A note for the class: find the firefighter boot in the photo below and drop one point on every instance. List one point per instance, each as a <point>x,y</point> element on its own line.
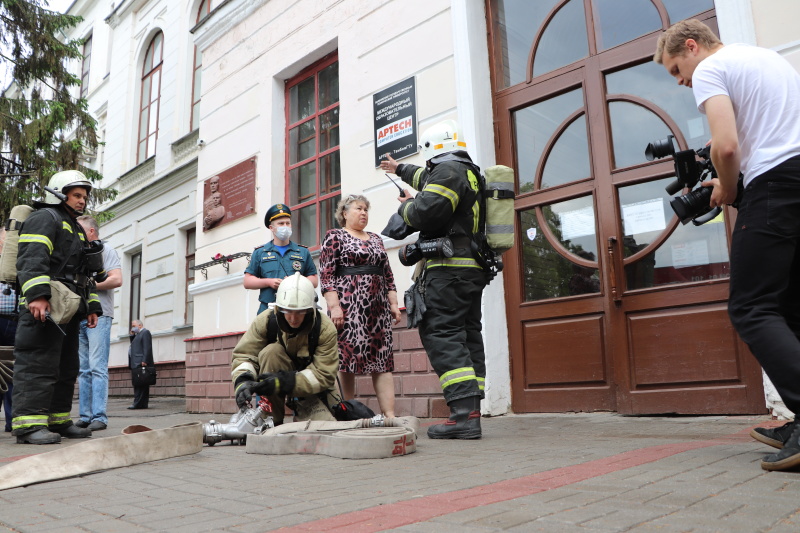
<point>71,431</point>
<point>464,421</point>
<point>40,436</point>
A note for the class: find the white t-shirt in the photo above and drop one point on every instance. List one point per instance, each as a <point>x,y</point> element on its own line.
<point>110,262</point>
<point>765,92</point>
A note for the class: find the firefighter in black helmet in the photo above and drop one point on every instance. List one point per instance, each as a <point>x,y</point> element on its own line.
<point>51,248</point>
<point>448,206</point>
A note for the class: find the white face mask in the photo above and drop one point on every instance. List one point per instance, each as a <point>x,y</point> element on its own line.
<point>283,233</point>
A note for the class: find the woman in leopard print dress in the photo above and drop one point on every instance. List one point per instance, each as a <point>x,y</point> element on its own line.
<point>358,286</point>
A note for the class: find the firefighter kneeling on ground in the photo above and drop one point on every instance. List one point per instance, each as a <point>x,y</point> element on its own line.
<point>289,351</point>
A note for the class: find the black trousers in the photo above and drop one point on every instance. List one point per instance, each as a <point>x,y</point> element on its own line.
<point>451,330</point>
<point>764,303</point>
<point>141,397</point>
<point>45,369</point>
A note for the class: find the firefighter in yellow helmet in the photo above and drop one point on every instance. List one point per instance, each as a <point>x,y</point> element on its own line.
<point>289,351</point>
<point>446,211</point>
<point>52,247</point>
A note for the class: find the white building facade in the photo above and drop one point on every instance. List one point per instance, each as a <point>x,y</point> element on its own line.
<point>184,91</point>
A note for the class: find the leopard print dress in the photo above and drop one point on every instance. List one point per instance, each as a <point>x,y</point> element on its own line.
<point>365,341</point>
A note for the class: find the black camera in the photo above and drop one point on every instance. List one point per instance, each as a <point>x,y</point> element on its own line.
<point>93,259</point>
<point>410,254</point>
<point>694,205</point>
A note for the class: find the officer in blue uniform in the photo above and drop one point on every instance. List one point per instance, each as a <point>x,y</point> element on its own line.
<point>278,259</point>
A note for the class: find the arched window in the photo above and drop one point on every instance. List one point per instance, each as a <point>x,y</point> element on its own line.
<point>151,95</point>
<point>194,119</point>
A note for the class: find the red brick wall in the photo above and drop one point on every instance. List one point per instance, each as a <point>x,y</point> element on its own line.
<point>417,391</point>
<point>170,381</point>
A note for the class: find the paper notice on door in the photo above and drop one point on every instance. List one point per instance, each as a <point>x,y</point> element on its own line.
<point>689,254</point>
<point>577,223</point>
<point>642,217</point>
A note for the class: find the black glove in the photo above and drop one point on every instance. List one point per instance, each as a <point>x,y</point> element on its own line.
<point>244,391</point>
<point>275,383</point>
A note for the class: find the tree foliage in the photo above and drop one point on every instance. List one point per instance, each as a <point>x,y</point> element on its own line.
<point>43,127</point>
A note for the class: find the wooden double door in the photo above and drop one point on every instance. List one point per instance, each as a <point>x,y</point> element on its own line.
<point>612,303</point>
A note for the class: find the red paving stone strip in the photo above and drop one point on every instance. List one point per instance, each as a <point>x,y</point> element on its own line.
<point>407,512</point>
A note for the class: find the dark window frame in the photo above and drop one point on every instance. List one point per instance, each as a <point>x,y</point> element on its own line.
<point>155,67</point>
<point>85,66</point>
<point>136,287</point>
<point>328,191</point>
<point>191,250</point>
<point>202,11</point>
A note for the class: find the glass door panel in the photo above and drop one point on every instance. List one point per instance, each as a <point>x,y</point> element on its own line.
<point>553,50</point>
<point>632,127</point>
<point>565,262</point>
<point>536,125</point>
<point>683,9</point>
<point>649,82</point>
<point>515,25</point>
<point>690,253</point>
<point>620,21</point>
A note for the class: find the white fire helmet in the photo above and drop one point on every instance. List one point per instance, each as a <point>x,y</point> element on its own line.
<point>441,138</point>
<point>66,179</point>
<point>295,293</point>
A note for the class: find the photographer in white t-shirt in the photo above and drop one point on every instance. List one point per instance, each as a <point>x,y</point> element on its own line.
<point>751,97</point>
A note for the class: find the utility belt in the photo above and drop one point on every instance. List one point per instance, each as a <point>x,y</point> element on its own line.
<point>358,270</point>
<point>440,248</point>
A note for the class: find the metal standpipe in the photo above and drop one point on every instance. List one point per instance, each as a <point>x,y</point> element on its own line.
<point>248,421</point>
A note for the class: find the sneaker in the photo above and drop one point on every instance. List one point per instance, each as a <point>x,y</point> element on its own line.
<point>82,423</point>
<point>789,456</point>
<point>774,437</point>
<point>96,425</point>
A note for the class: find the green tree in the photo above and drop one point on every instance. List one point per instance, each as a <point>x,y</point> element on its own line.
<point>43,128</point>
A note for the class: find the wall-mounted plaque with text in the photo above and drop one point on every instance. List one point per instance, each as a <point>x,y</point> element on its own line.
<point>229,195</point>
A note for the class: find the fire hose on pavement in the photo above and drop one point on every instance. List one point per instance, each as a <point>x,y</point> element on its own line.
<point>6,367</point>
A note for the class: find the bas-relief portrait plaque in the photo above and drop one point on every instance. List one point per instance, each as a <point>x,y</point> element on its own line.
<point>229,195</point>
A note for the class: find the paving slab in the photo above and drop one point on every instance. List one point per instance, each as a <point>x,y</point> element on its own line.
<point>586,472</point>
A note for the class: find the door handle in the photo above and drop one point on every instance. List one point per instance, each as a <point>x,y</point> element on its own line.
<point>615,293</point>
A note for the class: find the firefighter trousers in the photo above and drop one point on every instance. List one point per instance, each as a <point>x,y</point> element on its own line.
<point>450,330</point>
<point>274,358</point>
<point>46,367</point>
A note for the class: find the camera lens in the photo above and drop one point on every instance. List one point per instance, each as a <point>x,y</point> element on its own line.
<point>692,204</point>
<point>659,149</point>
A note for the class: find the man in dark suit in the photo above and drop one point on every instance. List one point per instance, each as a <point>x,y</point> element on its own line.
<point>140,353</point>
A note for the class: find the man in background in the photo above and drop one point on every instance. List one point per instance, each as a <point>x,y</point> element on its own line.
<point>95,344</point>
<point>140,353</point>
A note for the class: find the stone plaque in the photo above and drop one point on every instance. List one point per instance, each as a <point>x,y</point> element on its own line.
<point>229,195</point>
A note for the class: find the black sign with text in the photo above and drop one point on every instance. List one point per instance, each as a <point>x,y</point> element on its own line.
<point>395,115</point>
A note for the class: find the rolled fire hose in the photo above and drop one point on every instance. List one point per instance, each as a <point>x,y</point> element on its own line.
<point>369,438</point>
<point>6,367</point>
<point>137,444</point>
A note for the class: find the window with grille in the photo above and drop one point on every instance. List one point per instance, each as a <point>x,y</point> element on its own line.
<point>313,174</point>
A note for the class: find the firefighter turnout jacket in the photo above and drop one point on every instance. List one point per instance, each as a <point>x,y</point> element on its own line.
<point>448,204</point>
<point>51,245</point>
<point>315,374</point>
